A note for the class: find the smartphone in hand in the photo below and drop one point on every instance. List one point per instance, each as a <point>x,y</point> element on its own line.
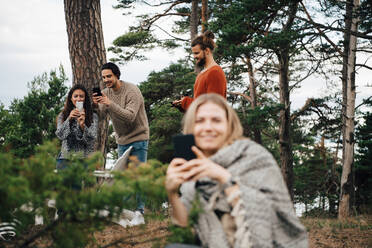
<point>97,90</point>
<point>80,106</point>
<point>182,144</point>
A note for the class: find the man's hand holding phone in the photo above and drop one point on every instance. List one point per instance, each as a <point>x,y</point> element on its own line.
<point>100,97</point>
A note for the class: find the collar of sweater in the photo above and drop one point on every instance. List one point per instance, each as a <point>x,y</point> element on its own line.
<point>120,90</point>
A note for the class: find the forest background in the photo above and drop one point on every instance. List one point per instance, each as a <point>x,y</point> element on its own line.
<point>290,79</point>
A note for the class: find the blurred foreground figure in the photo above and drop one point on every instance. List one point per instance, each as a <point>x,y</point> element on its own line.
<point>239,186</point>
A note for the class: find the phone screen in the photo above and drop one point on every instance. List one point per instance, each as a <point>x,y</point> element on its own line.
<point>182,145</point>
<point>97,90</point>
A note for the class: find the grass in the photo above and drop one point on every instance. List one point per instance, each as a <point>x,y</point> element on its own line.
<point>325,232</point>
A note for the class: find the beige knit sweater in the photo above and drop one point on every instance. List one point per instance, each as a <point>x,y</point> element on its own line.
<point>127,113</point>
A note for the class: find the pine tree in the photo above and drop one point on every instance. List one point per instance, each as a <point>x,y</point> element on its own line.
<point>363,161</point>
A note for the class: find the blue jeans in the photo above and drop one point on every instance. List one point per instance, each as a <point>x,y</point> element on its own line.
<point>139,149</point>
<point>62,164</point>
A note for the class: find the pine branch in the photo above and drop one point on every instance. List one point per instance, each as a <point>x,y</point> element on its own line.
<point>248,98</point>
<point>318,25</point>
<point>161,4</point>
<point>43,231</point>
<point>364,65</point>
<point>365,101</point>
<point>174,37</point>
<point>153,19</point>
<point>309,102</point>
<point>320,31</point>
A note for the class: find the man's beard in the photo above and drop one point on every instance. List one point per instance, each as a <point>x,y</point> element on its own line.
<point>111,83</point>
<point>201,62</point>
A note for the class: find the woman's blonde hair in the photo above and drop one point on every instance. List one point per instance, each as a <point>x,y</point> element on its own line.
<point>234,127</point>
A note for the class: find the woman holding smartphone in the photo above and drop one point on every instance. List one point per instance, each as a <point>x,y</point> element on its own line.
<point>76,125</point>
<point>237,182</point>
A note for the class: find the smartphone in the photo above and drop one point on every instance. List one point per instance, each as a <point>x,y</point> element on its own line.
<point>97,90</point>
<point>80,106</point>
<point>182,144</point>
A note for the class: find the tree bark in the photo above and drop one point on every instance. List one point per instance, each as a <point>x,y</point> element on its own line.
<point>253,95</point>
<point>204,14</point>
<point>348,109</point>
<point>194,21</point>
<point>87,50</point>
<point>285,143</point>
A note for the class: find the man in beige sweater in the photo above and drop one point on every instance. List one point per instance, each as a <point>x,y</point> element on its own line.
<point>124,103</point>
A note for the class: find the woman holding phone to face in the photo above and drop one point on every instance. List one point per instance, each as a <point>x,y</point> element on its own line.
<point>240,188</point>
<point>76,125</point>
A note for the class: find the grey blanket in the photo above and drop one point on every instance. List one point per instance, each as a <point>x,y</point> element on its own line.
<point>264,215</point>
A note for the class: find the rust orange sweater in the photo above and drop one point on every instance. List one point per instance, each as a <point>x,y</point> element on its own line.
<point>212,80</point>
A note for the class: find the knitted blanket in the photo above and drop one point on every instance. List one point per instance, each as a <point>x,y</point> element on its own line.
<point>264,214</point>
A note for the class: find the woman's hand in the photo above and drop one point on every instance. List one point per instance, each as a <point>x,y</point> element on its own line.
<point>81,119</point>
<point>173,181</point>
<point>204,167</point>
<point>74,114</point>
<point>174,177</point>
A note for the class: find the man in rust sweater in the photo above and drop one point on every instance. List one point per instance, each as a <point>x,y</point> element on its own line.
<point>211,79</point>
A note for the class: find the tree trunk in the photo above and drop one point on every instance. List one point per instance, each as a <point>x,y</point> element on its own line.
<point>253,95</point>
<point>285,144</point>
<point>348,110</point>
<point>87,50</point>
<point>194,20</point>
<point>204,14</point>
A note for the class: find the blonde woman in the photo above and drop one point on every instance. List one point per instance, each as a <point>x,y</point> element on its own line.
<point>239,185</point>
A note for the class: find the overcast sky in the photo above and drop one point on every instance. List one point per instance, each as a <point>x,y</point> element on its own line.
<point>33,40</point>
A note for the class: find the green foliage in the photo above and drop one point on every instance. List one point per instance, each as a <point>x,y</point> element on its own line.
<point>6,122</point>
<point>365,12</point>
<point>363,157</point>
<point>160,89</point>
<point>132,38</point>
<point>162,128</point>
<point>258,31</point>
<point>148,179</point>
<point>142,37</point>
<point>186,235</point>
<point>311,177</point>
<point>26,185</point>
<point>32,120</point>
<point>128,46</point>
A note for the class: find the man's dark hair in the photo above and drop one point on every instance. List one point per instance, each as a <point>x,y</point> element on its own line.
<point>114,68</point>
<point>205,40</point>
